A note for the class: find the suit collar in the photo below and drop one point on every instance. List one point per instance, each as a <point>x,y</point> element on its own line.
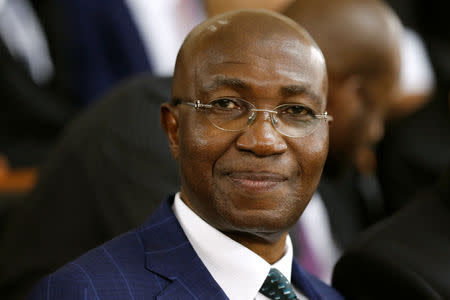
<point>169,254</point>
<point>312,287</point>
<point>299,279</point>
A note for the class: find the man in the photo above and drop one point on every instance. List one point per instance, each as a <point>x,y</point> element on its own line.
<point>248,128</point>
<point>359,40</point>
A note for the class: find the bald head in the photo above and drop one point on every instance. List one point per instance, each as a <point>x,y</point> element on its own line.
<point>354,35</point>
<point>360,42</point>
<point>233,35</point>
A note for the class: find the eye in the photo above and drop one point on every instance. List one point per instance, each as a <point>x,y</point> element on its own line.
<point>297,110</point>
<point>226,103</point>
<point>295,113</point>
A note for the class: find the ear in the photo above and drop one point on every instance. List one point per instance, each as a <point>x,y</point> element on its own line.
<point>169,122</point>
<point>347,90</point>
<point>353,86</point>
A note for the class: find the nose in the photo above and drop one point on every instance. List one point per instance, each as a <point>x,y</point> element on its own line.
<point>261,138</point>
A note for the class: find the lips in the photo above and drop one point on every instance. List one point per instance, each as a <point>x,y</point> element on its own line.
<point>256,181</point>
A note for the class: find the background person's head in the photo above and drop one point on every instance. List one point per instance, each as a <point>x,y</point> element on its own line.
<point>360,42</point>
<point>254,183</point>
<point>216,7</point>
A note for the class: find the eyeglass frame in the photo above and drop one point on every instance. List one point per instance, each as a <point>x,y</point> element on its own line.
<point>197,105</point>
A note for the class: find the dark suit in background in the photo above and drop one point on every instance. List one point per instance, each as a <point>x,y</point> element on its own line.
<point>353,203</point>
<point>32,115</point>
<point>108,173</point>
<point>104,46</point>
<point>30,118</point>
<point>403,257</point>
<point>416,149</point>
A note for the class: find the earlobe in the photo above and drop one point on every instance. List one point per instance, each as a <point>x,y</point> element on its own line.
<point>169,122</point>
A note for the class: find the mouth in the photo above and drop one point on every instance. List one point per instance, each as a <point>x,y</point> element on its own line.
<point>256,181</point>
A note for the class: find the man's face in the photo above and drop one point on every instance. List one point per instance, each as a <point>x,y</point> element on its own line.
<point>359,110</point>
<point>359,105</point>
<point>256,182</point>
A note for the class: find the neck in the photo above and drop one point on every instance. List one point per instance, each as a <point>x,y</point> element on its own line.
<point>270,251</point>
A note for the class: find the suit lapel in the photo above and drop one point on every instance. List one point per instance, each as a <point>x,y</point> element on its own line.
<point>300,280</point>
<point>169,254</point>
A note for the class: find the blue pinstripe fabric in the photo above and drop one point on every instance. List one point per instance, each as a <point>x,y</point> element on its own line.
<point>153,261</point>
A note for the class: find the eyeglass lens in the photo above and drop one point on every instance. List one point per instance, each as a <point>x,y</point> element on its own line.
<point>229,114</point>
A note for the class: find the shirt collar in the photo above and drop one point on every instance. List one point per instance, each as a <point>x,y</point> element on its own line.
<point>239,271</point>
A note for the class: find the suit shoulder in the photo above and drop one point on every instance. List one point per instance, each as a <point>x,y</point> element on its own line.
<point>114,268</point>
<point>326,291</point>
<point>69,282</point>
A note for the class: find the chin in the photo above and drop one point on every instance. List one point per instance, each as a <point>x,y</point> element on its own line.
<point>266,215</point>
<point>264,223</point>
<point>262,237</point>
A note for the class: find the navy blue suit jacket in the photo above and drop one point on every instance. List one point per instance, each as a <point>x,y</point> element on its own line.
<point>104,46</point>
<point>154,261</point>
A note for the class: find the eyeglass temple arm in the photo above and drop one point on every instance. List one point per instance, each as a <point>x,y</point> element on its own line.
<point>326,117</point>
<point>197,105</point>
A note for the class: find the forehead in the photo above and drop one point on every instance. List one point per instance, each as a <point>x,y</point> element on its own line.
<point>262,62</point>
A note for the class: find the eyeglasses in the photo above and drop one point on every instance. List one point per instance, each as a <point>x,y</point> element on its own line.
<point>233,114</point>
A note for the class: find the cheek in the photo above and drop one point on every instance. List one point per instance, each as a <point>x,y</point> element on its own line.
<point>318,144</point>
<point>311,153</point>
<point>196,137</point>
<point>194,142</point>
<point>200,148</point>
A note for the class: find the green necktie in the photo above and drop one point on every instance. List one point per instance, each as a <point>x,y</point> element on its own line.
<point>277,287</point>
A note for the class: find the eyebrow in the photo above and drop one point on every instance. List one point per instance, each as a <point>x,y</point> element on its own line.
<point>299,90</point>
<point>240,85</point>
<point>230,82</point>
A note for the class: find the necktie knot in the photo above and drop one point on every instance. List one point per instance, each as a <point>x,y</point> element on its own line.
<point>277,286</point>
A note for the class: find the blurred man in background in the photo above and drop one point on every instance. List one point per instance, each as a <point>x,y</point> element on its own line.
<point>360,42</point>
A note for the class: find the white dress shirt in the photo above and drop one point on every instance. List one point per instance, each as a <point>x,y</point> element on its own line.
<point>316,224</point>
<point>239,271</point>
<point>163,25</point>
<point>25,39</point>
